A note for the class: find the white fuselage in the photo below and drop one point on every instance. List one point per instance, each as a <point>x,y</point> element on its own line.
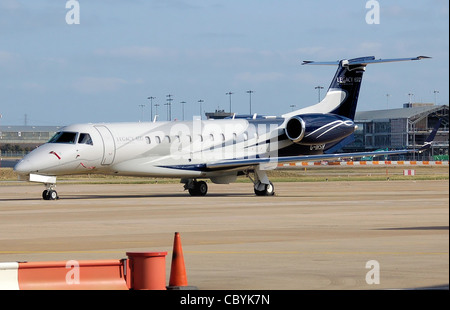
<point>155,149</point>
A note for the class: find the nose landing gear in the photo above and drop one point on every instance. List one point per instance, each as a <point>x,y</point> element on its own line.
<point>50,193</point>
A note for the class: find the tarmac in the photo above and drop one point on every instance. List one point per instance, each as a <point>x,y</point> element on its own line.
<point>350,235</point>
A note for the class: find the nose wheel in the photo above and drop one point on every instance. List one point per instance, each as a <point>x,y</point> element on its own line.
<point>50,193</point>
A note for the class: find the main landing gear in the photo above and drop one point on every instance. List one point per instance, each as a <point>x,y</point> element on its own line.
<point>261,184</point>
<point>262,189</point>
<point>196,188</point>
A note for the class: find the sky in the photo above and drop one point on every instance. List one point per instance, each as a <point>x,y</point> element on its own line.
<point>103,69</point>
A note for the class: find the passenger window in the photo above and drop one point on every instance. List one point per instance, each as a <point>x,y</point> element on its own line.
<point>85,138</point>
<point>157,139</point>
<point>147,140</point>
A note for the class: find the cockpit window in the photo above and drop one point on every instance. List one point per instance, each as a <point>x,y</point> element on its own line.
<point>85,138</point>
<point>64,137</point>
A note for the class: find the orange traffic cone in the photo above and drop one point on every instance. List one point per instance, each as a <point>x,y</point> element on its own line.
<point>178,278</point>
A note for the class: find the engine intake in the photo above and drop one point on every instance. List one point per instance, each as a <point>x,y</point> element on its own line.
<point>295,129</point>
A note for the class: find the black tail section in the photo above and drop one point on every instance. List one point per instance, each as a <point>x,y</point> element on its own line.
<point>348,79</point>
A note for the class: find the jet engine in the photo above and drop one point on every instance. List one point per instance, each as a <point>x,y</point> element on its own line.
<point>313,129</point>
<point>295,129</point>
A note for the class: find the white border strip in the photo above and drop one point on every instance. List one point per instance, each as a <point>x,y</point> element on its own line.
<point>9,276</point>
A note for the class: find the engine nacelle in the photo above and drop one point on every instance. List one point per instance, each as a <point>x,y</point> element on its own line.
<point>313,129</point>
<point>295,129</point>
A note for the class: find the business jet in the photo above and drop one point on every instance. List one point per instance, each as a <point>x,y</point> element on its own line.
<point>218,150</point>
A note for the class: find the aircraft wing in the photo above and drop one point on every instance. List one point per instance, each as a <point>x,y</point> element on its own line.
<point>236,163</point>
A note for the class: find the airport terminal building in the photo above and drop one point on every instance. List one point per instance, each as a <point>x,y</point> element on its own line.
<point>407,127</point>
<point>404,128</point>
<point>18,140</point>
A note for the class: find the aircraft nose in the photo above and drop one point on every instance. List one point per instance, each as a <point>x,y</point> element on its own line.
<point>44,159</point>
<point>32,162</point>
<point>23,167</point>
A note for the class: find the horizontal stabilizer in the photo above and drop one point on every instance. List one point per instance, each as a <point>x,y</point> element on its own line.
<point>361,61</point>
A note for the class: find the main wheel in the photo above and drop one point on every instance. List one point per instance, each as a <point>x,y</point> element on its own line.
<point>200,189</point>
<point>268,190</point>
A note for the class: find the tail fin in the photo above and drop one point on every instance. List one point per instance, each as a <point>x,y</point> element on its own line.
<point>347,81</point>
<point>430,138</point>
<point>343,93</point>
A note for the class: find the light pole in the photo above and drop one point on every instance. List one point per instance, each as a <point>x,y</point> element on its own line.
<point>201,101</point>
<point>151,107</point>
<point>435,96</point>
<point>182,107</point>
<point>319,88</point>
<point>229,94</point>
<point>410,96</point>
<point>142,111</point>
<point>387,100</point>
<point>250,92</point>
<point>169,107</point>
<point>156,111</point>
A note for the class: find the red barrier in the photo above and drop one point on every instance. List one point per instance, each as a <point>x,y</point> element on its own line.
<point>72,275</point>
<point>141,271</point>
<point>148,270</point>
<point>144,270</point>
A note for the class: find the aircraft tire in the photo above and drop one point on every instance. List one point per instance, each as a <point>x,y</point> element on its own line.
<point>200,189</point>
<point>269,190</point>
<point>50,195</point>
